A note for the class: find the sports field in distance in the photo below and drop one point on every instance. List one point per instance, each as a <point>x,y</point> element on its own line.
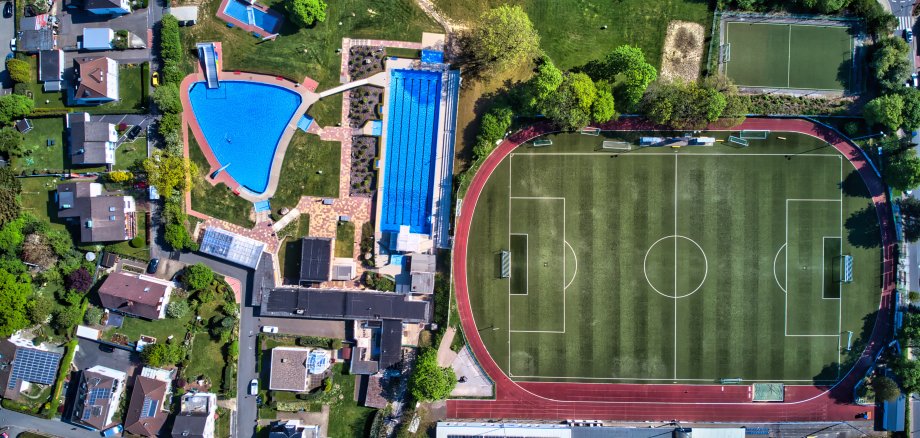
<point>674,265</point>
<point>780,55</point>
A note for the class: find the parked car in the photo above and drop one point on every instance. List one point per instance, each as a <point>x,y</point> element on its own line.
<point>134,132</point>
<point>908,35</point>
<point>153,265</point>
<point>8,10</point>
<point>269,329</point>
<point>155,79</point>
<point>13,44</point>
<point>253,386</point>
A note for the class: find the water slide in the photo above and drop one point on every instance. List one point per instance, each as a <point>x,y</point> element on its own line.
<point>209,57</point>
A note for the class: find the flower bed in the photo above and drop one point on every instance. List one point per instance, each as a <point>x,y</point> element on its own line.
<point>363,153</point>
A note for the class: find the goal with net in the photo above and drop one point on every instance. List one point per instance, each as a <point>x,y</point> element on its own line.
<point>613,145</point>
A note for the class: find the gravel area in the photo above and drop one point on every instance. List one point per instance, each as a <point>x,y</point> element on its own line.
<point>363,153</point>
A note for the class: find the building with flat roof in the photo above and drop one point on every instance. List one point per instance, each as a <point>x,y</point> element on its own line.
<point>232,247</point>
<point>342,305</point>
<point>315,260</point>
<point>102,217</point>
<point>97,38</point>
<point>107,7</point>
<point>51,69</point>
<point>136,295</point>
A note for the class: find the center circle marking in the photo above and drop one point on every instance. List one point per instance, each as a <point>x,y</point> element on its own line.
<point>675,294</point>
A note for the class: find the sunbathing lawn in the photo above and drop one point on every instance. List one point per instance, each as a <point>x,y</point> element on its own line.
<point>345,239</point>
<point>346,418</point>
<point>207,358</point>
<point>216,201</point>
<point>129,153</point>
<point>327,111</point>
<point>299,52</point>
<point>305,158</point>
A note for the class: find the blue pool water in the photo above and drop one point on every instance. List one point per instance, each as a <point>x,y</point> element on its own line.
<point>410,151</point>
<point>266,21</point>
<point>243,122</point>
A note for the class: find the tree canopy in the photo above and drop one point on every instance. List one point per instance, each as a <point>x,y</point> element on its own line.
<point>9,196</point>
<point>163,354</point>
<point>495,124</point>
<point>628,70</point>
<point>684,105</point>
<point>891,66</point>
<point>11,142</point>
<point>197,276</point>
<point>901,169</point>
<point>307,12</point>
<point>15,106</point>
<point>885,389</point>
<point>885,110</point>
<point>14,293</point>
<point>910,215</point>
<point>431,382</point>
<point>168,172</point>
<point>911,111</point>
<point>166,97</point>
<point>20,71</point>
<point>503,37</point>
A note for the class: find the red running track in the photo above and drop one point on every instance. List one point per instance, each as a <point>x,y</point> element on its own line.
<point>636,402</point>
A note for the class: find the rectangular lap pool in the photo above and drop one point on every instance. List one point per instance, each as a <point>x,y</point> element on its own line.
<point>268,21</point>
<point>410,150</point>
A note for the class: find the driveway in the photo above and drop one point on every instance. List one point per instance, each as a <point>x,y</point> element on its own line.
<point>306,327</point>
<point>89,354</point>
<point>74,19</point>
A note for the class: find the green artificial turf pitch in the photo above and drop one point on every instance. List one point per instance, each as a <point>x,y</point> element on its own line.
<point>656,265</point>
<point>778,55</point>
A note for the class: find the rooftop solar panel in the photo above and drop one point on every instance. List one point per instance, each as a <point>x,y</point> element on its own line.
<point>149,409</point>
<point>34,366</point>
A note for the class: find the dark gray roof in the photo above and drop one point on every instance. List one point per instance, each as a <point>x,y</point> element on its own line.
<point>88,141</point>
<point>390,343</point>
<point>422,282</point>
<point>343,305</point>
<point>315,259</point>
<point>189,425</point>
<point>49,65</point>
<point>95,214</point>
<point>32,41</point>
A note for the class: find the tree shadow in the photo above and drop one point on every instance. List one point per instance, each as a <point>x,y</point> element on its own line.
<point>829,373</point>
<point>291,269</point>
<point>854,186</point>
<point>863,229</point>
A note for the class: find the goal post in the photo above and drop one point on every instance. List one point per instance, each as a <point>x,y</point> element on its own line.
<point>754,134</point>
<point>613,145</point>
<point>542,143</point>
<point>591,131</point>
<point>725,53</point>
<point>738,141</point>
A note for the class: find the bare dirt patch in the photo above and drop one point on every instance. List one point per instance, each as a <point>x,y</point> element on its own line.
<point>683,51</point>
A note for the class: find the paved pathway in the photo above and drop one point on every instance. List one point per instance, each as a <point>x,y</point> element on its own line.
<point>554,400</point>
<point>446,356</point>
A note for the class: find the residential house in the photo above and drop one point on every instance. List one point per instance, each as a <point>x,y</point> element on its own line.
<point>34,41</point>
<point>97,80</point>
<point>98,38</point>
<point>103,217</point>
<point>196,416</point>
<point>148,408</point>
<point>136,295</point>
<point>21,367</point>
<point>292,429</point>
<point>98,396</point>
<point>107,7</point>
<point>51,69</point>
<point>91,143</point>
<point>288,369</point>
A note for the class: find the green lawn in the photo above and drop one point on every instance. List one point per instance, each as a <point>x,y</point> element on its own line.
<point>129,153</point>
<point>161,329</point>
<point>610,294</point>
<point>571,31</point>
<point>327,111</point>
<point>345,239</point>
<point>310,52</point>
<point>310,168</point>
<point>216,201</point>
<point>347,419</point>
<point>207,358</point>
<point>789,56</point>
<point>38,198</point>
<point>223,423</point>
<point>39,156</point>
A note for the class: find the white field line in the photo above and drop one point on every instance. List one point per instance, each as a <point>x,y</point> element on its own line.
<point>659,379</point>
<point>775,258</point>
<point>675,266</point>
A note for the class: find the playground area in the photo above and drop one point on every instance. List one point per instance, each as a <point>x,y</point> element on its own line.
<point>647,257</point>
<point>788,53</point>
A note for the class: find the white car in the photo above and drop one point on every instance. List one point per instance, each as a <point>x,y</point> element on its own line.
<point>269,329</point>
<point>13,44</point>
<point>253,386</point>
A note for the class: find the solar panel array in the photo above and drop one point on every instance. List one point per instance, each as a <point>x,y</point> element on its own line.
<point>149,410</point>
<point>226,245</point>
<point>34,366</point>
<point>96,394</point>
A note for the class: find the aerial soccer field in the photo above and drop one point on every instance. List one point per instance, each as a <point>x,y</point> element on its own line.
<point>595,260</point>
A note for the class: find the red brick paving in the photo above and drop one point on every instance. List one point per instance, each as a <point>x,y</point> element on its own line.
<point>666,402</point>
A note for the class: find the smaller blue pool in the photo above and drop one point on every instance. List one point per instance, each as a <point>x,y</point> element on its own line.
<point>267,21</point>
<point>243,122</point>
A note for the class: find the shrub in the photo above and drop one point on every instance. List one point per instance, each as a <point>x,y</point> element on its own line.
<point>79,280</point>
<point>177,309</point>
<point>120,176</point>
<point>20,71</point>
<point>197,276</point>
<point>137,242</point>
<point>93,315</point>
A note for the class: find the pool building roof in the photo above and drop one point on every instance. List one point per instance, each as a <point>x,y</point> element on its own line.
<point>342,305</point>
<point>231,246</point>
<point>315,259</point>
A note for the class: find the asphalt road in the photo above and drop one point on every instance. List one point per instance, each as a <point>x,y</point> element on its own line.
<point>18,423</point>
<point>7,32</point>
<point>246,411</point>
